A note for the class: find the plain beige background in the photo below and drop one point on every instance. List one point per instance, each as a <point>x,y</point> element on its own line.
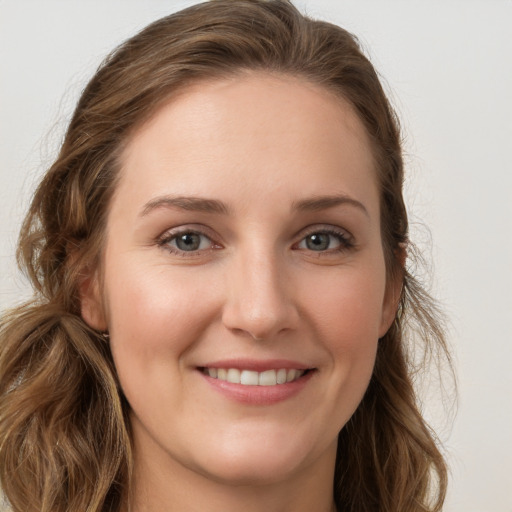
<point>448,67</point>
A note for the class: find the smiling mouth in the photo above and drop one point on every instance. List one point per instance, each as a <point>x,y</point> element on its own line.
<point>253,378</point>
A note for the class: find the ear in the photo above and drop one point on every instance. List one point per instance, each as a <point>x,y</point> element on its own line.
<point>91,303</point>
<point>393,292</point>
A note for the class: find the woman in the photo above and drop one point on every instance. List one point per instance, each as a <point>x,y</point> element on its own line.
<point>219,259</point>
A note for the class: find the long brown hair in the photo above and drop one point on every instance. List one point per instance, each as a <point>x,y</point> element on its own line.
<point>64,433</point>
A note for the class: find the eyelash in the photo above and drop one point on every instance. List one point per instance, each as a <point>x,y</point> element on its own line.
<point>345,240</point>
<point>165,240</point>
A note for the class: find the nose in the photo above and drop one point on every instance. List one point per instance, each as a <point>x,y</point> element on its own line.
<point>260,303</point>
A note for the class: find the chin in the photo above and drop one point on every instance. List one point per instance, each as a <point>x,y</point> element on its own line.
<point>238,472</point>
<point>262,461</point>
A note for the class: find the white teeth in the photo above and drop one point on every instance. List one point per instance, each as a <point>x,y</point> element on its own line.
<point>268,378</point>
<point>233,376</point>
<point>249,378</point>
<point>252,378</point>
<point>281,376</point>
<point>290,375</point>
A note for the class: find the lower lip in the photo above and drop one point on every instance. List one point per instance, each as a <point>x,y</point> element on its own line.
<point>258,395</point>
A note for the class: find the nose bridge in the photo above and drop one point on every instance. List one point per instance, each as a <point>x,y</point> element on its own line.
<point>259,303</point>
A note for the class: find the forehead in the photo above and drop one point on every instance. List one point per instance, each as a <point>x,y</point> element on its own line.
<point>255,130</point>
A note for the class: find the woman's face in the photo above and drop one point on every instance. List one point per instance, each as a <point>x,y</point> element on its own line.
<point>243,279</point>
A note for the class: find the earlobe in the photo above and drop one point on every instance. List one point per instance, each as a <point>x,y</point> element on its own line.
<point>91,303</point>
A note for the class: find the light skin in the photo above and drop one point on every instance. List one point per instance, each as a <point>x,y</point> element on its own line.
<point>245,227</point>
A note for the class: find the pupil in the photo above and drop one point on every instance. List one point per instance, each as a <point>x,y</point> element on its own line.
<point>318,242</point>
<point>188,242</point>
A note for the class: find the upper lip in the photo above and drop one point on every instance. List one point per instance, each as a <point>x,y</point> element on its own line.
<point>257,365</point>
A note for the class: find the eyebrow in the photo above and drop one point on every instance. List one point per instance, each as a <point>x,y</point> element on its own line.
<point>204,205</point>
<point>195,204</point>
<point>319,203</point>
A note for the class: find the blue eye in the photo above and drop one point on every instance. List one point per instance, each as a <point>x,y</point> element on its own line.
<point>324,241</point>
<point>188,241</point>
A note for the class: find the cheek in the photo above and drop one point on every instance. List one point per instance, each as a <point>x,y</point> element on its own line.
<point>347,319</point>
<point>154,318</point>
<point>347,306</point>
<point>352,337</point>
